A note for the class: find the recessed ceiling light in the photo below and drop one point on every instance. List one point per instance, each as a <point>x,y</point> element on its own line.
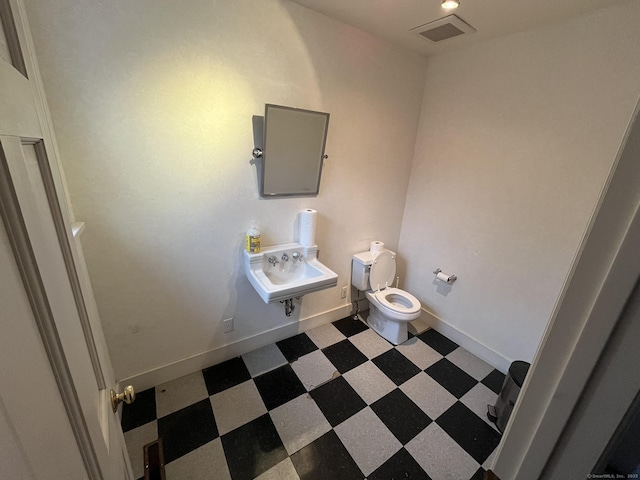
<point>450,4</point>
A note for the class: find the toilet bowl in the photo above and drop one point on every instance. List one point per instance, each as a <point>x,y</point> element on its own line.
<point>390,309</point>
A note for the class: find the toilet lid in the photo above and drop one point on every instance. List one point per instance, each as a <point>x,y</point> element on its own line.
<point>383,271</point>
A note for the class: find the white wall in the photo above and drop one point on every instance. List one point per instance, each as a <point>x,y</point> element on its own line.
<point>152,104</point>
<point>516,139</point>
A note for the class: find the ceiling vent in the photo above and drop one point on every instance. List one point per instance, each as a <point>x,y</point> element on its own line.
<point>444,28</point>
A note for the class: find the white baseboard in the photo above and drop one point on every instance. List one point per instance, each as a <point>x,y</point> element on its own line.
<point>467,342</point>
<point>177,369</point>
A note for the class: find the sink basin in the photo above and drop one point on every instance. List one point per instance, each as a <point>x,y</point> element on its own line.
<point>287,278</point>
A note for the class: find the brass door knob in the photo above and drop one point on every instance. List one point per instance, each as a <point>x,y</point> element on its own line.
<point>127,396</point>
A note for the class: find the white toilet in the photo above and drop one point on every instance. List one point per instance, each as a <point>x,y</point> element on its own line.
<point>390,309</point>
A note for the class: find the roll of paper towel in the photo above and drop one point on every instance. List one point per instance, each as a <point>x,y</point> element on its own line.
<point>308,227</point>
<point>376,247</point>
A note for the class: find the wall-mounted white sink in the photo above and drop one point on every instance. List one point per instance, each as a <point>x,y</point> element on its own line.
<point>294,271</point>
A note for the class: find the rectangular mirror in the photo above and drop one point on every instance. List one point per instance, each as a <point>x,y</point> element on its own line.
<point>293,151</point>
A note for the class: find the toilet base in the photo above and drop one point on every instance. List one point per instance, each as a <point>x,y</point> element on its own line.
<point>395,332</point>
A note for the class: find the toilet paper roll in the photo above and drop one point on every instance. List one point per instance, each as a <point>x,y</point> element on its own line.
<point>308,218</point>
<point>444,277</point>
<point>376,247</point>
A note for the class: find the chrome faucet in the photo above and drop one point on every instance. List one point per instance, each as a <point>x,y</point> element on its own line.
<point>296,256</point>
<point>285,257</point>
<point>273,260</point>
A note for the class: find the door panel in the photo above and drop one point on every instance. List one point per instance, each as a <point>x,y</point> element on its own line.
<point>52,276</point>
<point>12,37</point>
<point>24,170</point>
<point>36,438</point>
<point>5,54</point>
<point>19,116</point>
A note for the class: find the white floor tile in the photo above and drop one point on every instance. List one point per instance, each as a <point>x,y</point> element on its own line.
<point>264,360</point>
<point>369,382</point>
<point>204,463</point>
<point>370,343</point>
<point>314,369</point>
<point>137,438</point>
<point>299,422</point>
<point>488,463</point>
<point>180,393</point>
<point>325,335</point>
<point>419,353</point>
<point>471,364</point>
<point>367,440</point>
<point>428,394</point>
<point>282,471</point>
<point>236,406</point>
<point>477,400</point>
<point>440,456</point>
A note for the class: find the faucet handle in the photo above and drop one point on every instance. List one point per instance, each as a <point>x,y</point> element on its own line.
<point>296,256</point>
<point>285,257</point>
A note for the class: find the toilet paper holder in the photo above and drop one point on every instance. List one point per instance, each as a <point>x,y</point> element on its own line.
<point>446,278</point>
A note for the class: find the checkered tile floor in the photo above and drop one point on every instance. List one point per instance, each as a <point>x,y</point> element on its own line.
<point>337,402</point>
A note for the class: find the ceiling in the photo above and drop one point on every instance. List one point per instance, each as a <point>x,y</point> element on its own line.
<point>393,19</point>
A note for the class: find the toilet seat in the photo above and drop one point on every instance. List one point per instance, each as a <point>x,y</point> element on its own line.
<point>397,301</point>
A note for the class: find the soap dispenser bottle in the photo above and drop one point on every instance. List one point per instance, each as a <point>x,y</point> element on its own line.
<point>253,240</point>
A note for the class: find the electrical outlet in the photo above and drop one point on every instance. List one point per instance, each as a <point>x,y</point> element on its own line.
<point>228,325</point>
<point>343,292</point>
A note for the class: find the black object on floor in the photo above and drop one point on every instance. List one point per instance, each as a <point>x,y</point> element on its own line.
<point>154,461</point>
<point>508,395</point>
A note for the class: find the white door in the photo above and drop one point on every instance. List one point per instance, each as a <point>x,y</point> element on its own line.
<point>56,419</point>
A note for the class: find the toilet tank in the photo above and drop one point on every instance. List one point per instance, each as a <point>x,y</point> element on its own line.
<point>360,266</point>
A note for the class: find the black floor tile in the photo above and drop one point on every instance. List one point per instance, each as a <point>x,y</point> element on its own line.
<point>400,466</point>
<point>187,429</point>
<point>479,475</point>
<point>337,400</point>
<point>494,381</point>
<point>142,411</point>
<point>451,377</point>
<point>438,342</point>
<point>295,347</point>
<point>396,366</point>
<point>253,448</point>
<point>344,355</point>
<point>225,375</point>
<point>348,326</point>
<point>279,386</point>
<point>471,433</point>
<point>326,458</point>
<point>403,417</point>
